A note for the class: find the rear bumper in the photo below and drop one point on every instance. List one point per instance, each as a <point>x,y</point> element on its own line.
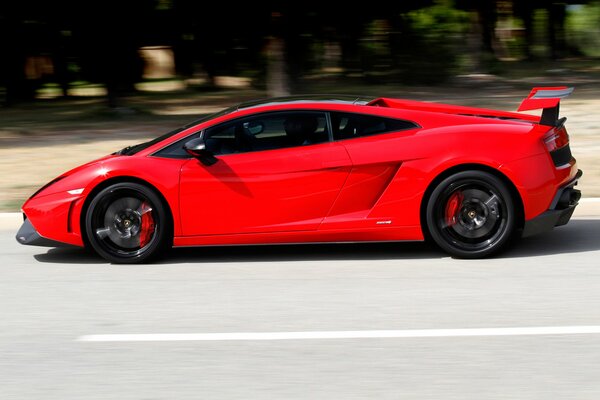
<point>560,211</point>
<point>29,236</point>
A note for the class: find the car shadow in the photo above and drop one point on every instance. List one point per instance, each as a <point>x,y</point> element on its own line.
<point>69,255</point>
<point>580,235</point>
<point>263,253</point>
<point>306,252</point>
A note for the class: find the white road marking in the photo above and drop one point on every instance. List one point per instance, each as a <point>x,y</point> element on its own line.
<point>412,333</point>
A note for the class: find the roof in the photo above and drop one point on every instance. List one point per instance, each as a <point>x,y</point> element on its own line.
<point>384,102</point>
<point>312,98</point>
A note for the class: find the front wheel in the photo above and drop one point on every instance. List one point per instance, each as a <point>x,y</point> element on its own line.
<point>471,214</point>
<point>126,223</point>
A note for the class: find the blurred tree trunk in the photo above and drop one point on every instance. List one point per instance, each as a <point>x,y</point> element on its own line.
<point>12,67</point>
<point>350,29</point>
<point>474,44</point>
<point>277,76</point>
<point>110,44</point>
<point>557,14</point>
<point>488,16</point>
<point>481,44</point>
<point>524,9</point>
<point>349,43</point>
<point>59,59</point>
<point>295,49</point>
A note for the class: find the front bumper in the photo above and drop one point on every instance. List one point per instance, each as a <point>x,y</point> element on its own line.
<point>29,236</point>
<point>560,211</point>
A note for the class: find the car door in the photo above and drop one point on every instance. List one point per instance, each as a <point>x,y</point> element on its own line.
<point>276,172</point>
<point>377,147</point>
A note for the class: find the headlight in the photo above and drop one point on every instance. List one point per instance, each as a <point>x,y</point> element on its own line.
<point>47,185</point>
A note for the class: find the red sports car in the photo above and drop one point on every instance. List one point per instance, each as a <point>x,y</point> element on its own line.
<point>321,170</point>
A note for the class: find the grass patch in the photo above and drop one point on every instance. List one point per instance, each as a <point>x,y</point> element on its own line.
<point>13,205</point>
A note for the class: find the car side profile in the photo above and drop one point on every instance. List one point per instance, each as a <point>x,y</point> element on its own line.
<point>302,170</point>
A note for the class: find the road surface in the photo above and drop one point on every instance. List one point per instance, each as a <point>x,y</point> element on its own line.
<point>524,317</point>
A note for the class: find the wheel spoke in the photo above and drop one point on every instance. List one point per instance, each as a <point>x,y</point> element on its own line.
<point>102,232</point>
<point>123,203</point>
<point>492,205</point>
<point>144,208</point>
<point>492,200</point>
<point>123,215</point>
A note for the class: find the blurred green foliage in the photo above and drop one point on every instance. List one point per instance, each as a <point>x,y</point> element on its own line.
<point>439,20</point>
<point>583,28</point>
<point>437,37</point>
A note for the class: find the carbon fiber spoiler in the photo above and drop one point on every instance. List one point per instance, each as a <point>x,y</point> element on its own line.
<point>548,99</point>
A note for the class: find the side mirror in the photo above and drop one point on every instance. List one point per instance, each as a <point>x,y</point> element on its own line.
<point>197,149</point>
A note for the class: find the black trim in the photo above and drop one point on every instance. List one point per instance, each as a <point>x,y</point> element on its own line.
<point>329,126</point>
<point>409,125</point>
<point>184,155</point>
<point>561,156</point>
<point>308,98</point>
<point>560,212</point>
<point>29,236</point>
<point>560,191</point>
<point>550,116</point>
<point>547,221</point>
<point>542,223</point>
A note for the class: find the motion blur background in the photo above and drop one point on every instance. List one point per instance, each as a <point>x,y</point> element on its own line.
<point>80,79</point>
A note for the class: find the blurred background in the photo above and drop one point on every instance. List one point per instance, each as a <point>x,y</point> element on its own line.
<point>80,79</point>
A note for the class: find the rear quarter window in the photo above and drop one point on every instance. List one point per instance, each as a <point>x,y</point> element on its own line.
<point>349,125</point>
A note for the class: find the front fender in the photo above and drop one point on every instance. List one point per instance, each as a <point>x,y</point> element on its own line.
<point>56,211</point>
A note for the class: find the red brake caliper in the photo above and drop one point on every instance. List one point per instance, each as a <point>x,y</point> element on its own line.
<point>452,207</point>
<point>147,225</point>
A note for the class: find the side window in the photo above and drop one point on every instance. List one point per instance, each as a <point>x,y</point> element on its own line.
<point>348,125</point>
<point>267,132</point>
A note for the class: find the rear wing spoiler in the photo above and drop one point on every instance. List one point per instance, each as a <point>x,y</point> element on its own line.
<point>547,98</point>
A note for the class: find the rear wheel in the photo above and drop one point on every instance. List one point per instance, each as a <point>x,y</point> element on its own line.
<point>471,214</point>
<point>127,223</point>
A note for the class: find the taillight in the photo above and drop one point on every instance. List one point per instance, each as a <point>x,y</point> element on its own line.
<point>556,139</point>
<point>557,143</point>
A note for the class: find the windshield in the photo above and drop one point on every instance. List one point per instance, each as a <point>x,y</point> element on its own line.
<point>130,150</point>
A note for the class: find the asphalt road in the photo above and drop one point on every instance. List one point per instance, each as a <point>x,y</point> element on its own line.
<point>51,298</point>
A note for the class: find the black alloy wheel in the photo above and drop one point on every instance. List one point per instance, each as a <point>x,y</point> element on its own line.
<point>471,214</point>
<point>126,223</point>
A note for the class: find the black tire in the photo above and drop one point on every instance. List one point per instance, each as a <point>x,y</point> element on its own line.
<point>471,214</point>
<point>126,223</point>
